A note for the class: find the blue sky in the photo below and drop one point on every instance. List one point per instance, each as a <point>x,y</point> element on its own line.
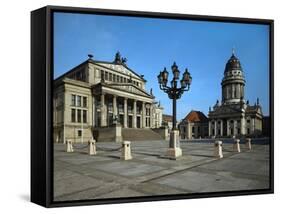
<point>152,44</point>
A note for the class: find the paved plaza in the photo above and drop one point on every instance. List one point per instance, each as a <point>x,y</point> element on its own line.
<point>80,176</point>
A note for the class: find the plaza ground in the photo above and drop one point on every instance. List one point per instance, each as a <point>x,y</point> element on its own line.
<point>80,176</point>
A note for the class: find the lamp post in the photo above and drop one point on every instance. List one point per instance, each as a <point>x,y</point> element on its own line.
<point>174,92</point>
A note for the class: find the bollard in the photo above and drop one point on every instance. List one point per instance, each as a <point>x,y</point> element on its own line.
<point>92,147</point>
<point>69,146</point>
<point>126,151</point>
<point>236,145</point>
<point>248,143</point>
<point>218,149</point>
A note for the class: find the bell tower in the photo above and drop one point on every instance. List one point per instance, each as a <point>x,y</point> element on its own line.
<point>233,82</point>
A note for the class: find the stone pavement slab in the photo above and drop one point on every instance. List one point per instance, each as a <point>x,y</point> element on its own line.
<point>80,176</point>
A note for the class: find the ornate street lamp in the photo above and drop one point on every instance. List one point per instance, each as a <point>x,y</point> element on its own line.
<point>174,92</point>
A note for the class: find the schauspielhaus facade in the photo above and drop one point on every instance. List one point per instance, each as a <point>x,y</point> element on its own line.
<point>95,93</point>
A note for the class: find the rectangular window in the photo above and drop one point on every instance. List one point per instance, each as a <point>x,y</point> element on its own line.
<point>114,77</point>
<point>79,116</point>
<point>102,74</point>
<point>129,108</point>
<point>110,106</point>
<point>84,116</point>
<point>120,107</point>
<point>73,115</point>
<point>193,129</point>
<point>110,76</point>
<point>147,111</point>
<point>79,133</point>
<point>78,100</point>
<point>73,100</point>
<point>117,78</point>
<point>84,101</point>
<point>106,75</point>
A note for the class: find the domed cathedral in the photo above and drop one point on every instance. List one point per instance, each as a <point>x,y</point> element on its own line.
<point>233,116</point>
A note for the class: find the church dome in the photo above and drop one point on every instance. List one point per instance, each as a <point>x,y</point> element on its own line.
<point>232,64</point>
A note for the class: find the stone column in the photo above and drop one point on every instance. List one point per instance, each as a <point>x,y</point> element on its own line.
<point>242,123</point>
<point>151,116</point>
<point>216,131</point>
<point>221,128</point>
<point>143,115</point>
<point>210,129</point>
<point>93,111</point>
<point>103,113</point>
<point>232,91</point>
<point>135,114</point>
<point>227,92</point>
<point>252,125</point>
<point>125,113</point>
<point>238,91</point>
<point>188,131</point>
<point>114,102</point>
<point>234,127</point>
<point>227,128</point>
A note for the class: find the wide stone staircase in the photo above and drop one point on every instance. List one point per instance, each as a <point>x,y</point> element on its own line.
<point>107,134</point>
<point>132,134</point>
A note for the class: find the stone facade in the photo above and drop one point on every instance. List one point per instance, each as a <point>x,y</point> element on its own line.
<point>233,116</point>
<point>194,125</point>
<point>96,94</point>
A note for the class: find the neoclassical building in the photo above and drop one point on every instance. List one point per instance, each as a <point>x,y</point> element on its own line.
<point>194,125</point>
<point>233,116</point>
<point>96,93</point>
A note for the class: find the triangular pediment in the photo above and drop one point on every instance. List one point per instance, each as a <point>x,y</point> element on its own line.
<point>120,68</point>
<point>129,88</point>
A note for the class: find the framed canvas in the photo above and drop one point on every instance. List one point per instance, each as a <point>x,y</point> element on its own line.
<point>132,106</point>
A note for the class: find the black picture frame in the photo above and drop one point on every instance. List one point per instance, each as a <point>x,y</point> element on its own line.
<point>41,104</point>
